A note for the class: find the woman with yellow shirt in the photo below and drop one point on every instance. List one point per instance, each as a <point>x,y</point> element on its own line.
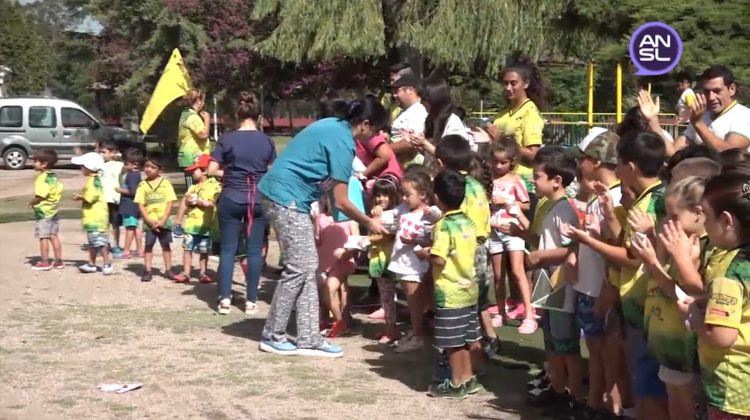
<point>525,93</point>
<point>193,131</point>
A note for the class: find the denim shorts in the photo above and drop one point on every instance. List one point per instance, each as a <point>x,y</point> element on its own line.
<point>591,324</point>
<point>46,228</point>
<point>196,243</point>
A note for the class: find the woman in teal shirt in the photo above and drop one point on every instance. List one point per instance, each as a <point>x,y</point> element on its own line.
<point>318,159</point>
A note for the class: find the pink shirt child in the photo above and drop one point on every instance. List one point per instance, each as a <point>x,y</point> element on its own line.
<point>513,191</point>
<point>366,153</point>
<point>331,236</point>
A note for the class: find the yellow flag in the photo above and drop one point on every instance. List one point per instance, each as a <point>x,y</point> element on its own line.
<point>173,83</point>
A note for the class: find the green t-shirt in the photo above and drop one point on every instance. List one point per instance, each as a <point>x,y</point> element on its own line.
<point>455,241</point>
<point>95,213</point>
<point>50,189</point>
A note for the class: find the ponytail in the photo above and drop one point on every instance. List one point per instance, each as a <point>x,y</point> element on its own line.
<point>531,74</point>
<point>367,109</point>
<point>247,108</point>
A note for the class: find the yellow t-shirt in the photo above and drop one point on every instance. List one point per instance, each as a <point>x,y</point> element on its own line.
<point>726,372</point>
<point>526,125</point>
<point>633,281</point>
<point>198,220</point>
<point>154,195</point>
<point>50,189</point>
<point>191,146</point>
<point>476,207</point>
<point>95,213</point>
<point>670,341</point>
<point>455,241</point>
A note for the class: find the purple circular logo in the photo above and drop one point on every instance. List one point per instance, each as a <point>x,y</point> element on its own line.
<point>655,49</point>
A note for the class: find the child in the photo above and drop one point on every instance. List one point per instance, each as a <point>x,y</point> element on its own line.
<point>722,319</point>
<point>673,266</point>
<point>155,197</point>
<point>334,265</point>
<point>597,161</point>
<point>641,156</point>
<point>554,170</point>
<point>454,152</point>
<point>456,291</point>
<point>413,221</point>
<point>509,190</point>
<point>385,196</point>
<point>95,215</point>
<point>47,194</point>
<point>197,207</point>
<point>110,184</point>
<point>128,209</point>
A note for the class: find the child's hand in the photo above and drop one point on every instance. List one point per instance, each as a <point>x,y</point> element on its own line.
<point>376,211</point>
<point>424,253</point>
<point>642,248</point>
<point>121,190</point>
<point>77,197</point>
<point>683,306</point>
<point>499,201</point>
<point>605,199</point>
<point>697,314</point>
<point>572,232</point>
<point>511,229</point>
<point>678,244</point>
<point>532,259</point>
<point>641,222</point>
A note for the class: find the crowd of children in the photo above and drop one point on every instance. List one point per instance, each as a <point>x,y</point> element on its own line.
<point>649,260</point>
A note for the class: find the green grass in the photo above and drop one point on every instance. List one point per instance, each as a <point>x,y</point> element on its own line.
<point>281,142</point>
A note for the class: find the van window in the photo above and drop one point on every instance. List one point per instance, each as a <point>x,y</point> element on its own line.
<point>75,118</point>
<point>10,116</point>
<point>42,117</point>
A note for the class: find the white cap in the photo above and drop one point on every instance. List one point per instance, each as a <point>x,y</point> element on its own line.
<point>92,161</point>
<point>595,131</point>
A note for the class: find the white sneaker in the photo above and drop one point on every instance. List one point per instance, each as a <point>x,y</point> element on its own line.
<point>225,306</point>
<point>87,268</point>
<point>413,343</point>
<point>251,308</point>
<point>107,269</point>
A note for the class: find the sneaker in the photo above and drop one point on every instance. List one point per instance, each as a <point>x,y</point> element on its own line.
<point>147,276</point>
<point>87,268</point>
<point>409,334</point>
<point>324,350</point>
<point>283,348</point>
<point>541,380</point>
<point>446,389</point>
<point>517,313</point>
<point>251,308</point>
<point>117,252</point>
<point>169,275</point>
<point>42,266</point>
<point>413,343</point>
<point>59,264</point>
<point>107,269</point>
<point>379,314</point>
<point>225,306</point>
<point>491,346</point>
<point>181,278</point>
<point>528,326</point>
<point>473,386</point>
<point>338,328</point>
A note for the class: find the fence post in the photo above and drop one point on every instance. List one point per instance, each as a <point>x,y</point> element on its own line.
<point>590,87</point>
<point>619,93</point>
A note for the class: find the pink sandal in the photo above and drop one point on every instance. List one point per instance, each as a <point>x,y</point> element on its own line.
<point>528,326</point>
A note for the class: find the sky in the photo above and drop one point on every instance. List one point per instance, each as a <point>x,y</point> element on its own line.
<point>89,25</point>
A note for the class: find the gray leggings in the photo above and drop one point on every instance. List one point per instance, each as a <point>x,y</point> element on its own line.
<point>297,287</point>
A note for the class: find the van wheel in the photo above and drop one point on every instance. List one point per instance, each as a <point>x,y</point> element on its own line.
<point>15,158</point>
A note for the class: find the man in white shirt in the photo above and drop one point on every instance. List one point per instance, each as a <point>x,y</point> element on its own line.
<point>406,91</point>
<point>716,118</point>
<point>687,96</point>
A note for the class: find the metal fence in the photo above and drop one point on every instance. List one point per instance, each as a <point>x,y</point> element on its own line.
<point>569,128</point>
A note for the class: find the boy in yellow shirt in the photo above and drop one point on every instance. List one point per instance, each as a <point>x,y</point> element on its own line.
<point>155,197</point>
<point>95,214</point>
<point>47,194</point>
<point>198,207</point>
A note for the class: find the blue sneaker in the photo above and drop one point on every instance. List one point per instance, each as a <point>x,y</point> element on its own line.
<point>283,348</point>
<point>117,252</point>
<point>324,350</point>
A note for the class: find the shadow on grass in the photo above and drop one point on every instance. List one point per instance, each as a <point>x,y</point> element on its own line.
<point>250,328</point>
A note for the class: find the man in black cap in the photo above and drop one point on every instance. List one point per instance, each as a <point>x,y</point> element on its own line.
<point>406,90</point>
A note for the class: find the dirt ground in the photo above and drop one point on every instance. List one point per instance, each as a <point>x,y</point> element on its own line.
<point>63,333</point>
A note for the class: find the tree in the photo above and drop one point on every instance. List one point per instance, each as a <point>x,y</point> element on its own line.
<point>22,50</point>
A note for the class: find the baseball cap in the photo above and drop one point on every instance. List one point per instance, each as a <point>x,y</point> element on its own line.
<point>577,152</point>
<point>603,148</point>
<point>407,80</point>
<point>92,161</point>
<point>200,163</point>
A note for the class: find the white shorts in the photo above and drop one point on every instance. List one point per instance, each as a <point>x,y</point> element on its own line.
<point>414,278</point>
<point>675,377</point>
<point>500,242</point>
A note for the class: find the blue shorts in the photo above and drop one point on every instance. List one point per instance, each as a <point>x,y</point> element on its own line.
<point>591,324</point>
<point>97,239</point>
<point>130,221</point>
<point>644,369</point>
<point>195,243</point>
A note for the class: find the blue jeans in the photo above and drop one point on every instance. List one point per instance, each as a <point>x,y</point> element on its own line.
<point>232,219</point>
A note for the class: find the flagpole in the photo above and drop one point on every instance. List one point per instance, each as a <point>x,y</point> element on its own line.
<point>216,122</point>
